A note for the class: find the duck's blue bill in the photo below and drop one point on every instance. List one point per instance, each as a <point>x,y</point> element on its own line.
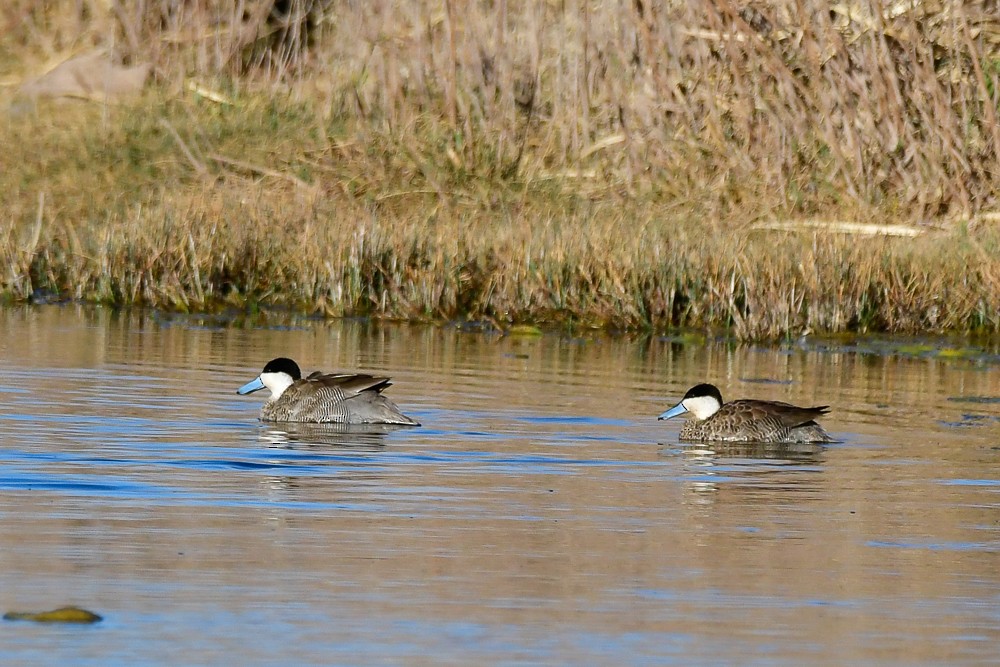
<point>251,386</point>
<point>678,409</point>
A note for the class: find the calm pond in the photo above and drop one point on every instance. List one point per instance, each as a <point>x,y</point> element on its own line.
<point>541,515</point>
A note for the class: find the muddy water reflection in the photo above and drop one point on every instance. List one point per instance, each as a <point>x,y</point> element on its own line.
<point>541,515</point>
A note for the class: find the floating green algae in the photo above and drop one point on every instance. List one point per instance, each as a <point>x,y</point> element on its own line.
<point>915,349</point>
<point>958,352</point>
<point>524,330</point>
<point>60,615</point>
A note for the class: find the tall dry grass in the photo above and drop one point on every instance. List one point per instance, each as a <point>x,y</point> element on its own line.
<point>589,162</point>
<point>761,108</point>
<point>340,229</point>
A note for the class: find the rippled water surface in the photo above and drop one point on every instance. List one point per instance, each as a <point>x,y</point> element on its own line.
<point>540,516</point>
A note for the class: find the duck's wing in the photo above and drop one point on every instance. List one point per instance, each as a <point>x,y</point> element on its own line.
<point>346,385</point>
<point>789,415</point>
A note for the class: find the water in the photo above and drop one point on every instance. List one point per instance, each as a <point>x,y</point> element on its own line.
<point>540,516</point>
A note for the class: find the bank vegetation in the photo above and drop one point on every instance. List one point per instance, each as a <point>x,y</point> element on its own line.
<point>771,168</point>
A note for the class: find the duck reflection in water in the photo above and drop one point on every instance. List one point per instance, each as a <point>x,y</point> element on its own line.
<point>355,437</point>
<point>761,470</point>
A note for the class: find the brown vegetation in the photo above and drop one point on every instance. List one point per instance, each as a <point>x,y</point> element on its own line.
<point>594,163</point>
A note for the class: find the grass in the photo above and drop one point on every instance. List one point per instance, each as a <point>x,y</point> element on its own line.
<point>590,164</point>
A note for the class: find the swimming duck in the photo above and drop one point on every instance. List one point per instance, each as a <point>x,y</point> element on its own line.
<point>341,398</point>
<point>746,420</point>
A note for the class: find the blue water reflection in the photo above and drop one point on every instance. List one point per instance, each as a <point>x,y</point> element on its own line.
<point>541,516</point>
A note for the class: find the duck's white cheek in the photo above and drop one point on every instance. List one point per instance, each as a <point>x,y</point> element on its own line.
<point>702,407</point>
<point>276,382</point>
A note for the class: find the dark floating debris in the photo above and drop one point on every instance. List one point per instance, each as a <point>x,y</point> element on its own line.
<point>983,400</point>
<point>969,420</point>
<point>60,615</point>
<point>765,381</point>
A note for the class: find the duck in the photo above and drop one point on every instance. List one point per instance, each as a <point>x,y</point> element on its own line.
<point>746,420</point>
<point>324,398</point>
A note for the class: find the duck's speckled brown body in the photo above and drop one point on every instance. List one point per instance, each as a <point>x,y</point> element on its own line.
<point>759,421</point>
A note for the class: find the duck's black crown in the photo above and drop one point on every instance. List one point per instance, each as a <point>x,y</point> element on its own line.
<point>283,365</point>
<point>704,389</point>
